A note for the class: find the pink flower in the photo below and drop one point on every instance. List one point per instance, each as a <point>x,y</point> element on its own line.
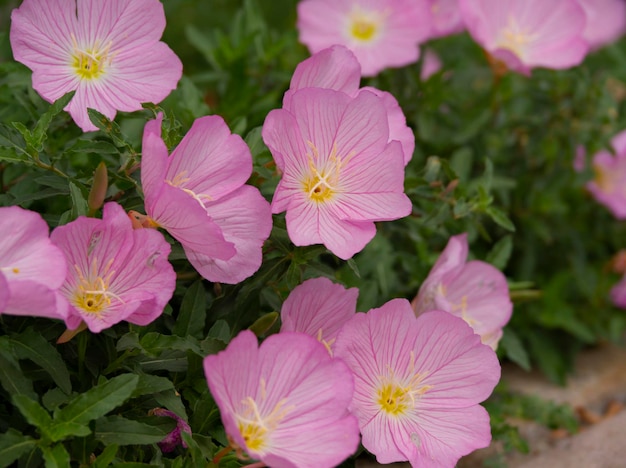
<point>609,185</point>
<point>286,402</point>
<point>474,291</point>
<point>198,195</point>
<point>606,21</point>
<point>618,294</point>
<point>381,33</point>
<point>108,52</point>
<point>418,383</point>
<point>318,307</point>
<point>431,64</point>
<point>174,438</point>
<point>445,17</point>
<point>339,172</point>
<point>115,273</point>
<point>32,268</point>
<point>337,68</point>
<point>525,34</point>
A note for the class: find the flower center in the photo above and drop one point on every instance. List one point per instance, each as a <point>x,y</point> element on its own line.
<point>514,38</point>
<point>256,428</point>
<point>322,181</point>
<point>398,396</point>
<point>364,25</point>
<point>90,63</point>
<point>180,179</point>
<point>92,293</point>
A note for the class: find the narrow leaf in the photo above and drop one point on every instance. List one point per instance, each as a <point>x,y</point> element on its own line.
<point>12,378</point>
<point>32,411</point>
<point>13,445</point>
<point>39,133</point>
<point>190,321</point>
<point>106,457</point>
<point>122,431</point>
<point>31,345</point>
<point>56,457</point>
<point>99,400</point>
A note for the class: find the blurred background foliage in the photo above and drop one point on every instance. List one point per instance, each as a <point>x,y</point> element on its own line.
<point>494,158</point>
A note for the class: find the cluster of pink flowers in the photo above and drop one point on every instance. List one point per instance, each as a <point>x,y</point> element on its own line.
<point>341,151</point>
<point>90,272</point>
<point>522,34</point>
<point>410,386</point>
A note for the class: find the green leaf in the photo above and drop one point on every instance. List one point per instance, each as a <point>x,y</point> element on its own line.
<point>220,331</point>
<point>99,400</point>
<point>121,431</point>
<point>190,321</point>
<point>32,411</point>
<point>109,127</point>
<point>500,218</point>
<point>106,457</point>
<point>501,252</point>
<point>12,445</point>
<point>56,456</point>
<point>31,345</point>
<point>39,133</point>
<point>155,343</point>
<point>262,325</point>
<point>79,202</point>
<point>514,349</point>
<point>11,376</point>
<point>63,430</point>
<point>149,384</point>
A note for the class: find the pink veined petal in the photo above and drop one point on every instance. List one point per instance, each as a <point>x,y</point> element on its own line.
<point>606,21</point>
<point>318,305</point>
<point>567,55</point>
<point>188,222</point>
<point>31,298</point>
<point>154,159</point>
<point>303,222</point>
<point>215,161</point>
<point>4,292</point>
<point>454,254</point>
<point>245,219</point>
<point>93,96</point>
<point>115,21</point>
<point>333,68</point>
<point>320,23</point>
<point>282,135</point>
<point>343,238</point>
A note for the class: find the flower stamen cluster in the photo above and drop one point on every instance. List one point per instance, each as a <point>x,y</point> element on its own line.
<point>92,293</point>
<point>90,63</point>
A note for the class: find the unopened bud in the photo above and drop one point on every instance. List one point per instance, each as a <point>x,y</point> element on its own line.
<point>98,188</point>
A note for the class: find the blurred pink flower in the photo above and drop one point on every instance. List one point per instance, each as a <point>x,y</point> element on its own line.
<point>284,403</point>
<point>108,52</point>
<point>418,383</point>
<point>475,291</point>
<point>618,294</point>
<point>606,21</point>
<point>115,273</point>
<point>525,34</point>
<point>580,159</point>
<point>445,18</point>
<point>381,33</point>
<point>337,68</point>
<point>198,194</point>
<point>431,64</point>
<point>609,185</point>
<point>339,172</point>
<point>318,307</point>
<point>32,268</point>
<point>174,438</point>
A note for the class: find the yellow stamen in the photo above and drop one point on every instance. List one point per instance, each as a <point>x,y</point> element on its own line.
<point>90,63</point>
<point>514,38</point>
<point>92,294</point>
<point>180,179</point>
<point>322,182</point>
<point>365,26</point>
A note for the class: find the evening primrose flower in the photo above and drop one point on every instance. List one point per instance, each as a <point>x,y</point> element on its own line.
<point>606,21</point>
<point>609,184</point>
<point>524,34</point>
<point>418,384</point>
<point>340,173</point>
<point>381,33</point>
<point>284,402</point>
<point>337,68</point>
<point>445,17</point>
<point>32,268</point>
<point>318,307</point>
<point>114,273</point>
<point>199,195</point>
<point>475,291</point>
<point>107,51</point>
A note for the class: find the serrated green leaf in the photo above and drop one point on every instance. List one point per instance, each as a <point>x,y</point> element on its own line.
<point>39,133</point>
<point>56,456</point>
<point>109,127</point>
<point>192,315</point>
<point>12,445</point>
<point>32,411</point>
<point>121,431</point>
<point>31,345</point>
<point>99,400</point>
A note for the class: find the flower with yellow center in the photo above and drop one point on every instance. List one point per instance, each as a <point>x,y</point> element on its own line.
<point>365,25</point>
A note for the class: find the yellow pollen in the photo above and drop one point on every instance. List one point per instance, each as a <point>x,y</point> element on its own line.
<point>327,344</point>
<point>322,181</point>
<point>364,26</point>
<point>256,428</point>
<point>90,63</point>
<point>514,38</point>
<point>16,270</point>
<point>398,397</point>
<point>92,294</point>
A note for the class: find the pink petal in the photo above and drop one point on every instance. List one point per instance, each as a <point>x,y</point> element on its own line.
<point>215,161</point>
<point>4,292</point>
<point>30,298</point>
<point>245,219</point>
<point>154,159</point>
<point>282,135</point>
